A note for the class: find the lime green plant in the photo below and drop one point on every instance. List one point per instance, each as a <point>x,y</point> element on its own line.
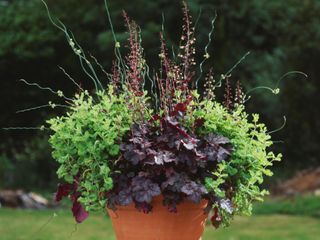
<point>86,141</point>
<point>250,160</point>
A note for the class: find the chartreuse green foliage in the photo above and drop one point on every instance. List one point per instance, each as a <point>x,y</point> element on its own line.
<point>86,141</point>
<point>250,158</point>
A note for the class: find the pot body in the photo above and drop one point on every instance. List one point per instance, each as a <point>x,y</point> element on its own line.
<point>160,224</point>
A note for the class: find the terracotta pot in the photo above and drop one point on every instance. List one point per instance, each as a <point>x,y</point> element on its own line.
<point>187,224</point>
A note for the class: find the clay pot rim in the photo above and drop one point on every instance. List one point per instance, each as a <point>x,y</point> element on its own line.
<point>156,200</point>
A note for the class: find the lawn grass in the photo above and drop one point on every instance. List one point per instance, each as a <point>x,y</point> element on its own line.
<point>299,205</point>
<point>269,227</point>
<point>43,225</point>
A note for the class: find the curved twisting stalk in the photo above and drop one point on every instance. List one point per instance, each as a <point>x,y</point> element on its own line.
<point>280,128</point>
<point>70,78</point>
<point>120,62</point>
<point>227,74</point>
<point>50,105</point>
<point>276,90</point>
<point>77,49</point>
<point>206,55</point>
<point>59,93</point>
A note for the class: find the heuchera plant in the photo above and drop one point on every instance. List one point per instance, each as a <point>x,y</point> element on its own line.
<point>141,136</point>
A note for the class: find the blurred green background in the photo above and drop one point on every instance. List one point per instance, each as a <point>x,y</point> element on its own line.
<point>281,35</point>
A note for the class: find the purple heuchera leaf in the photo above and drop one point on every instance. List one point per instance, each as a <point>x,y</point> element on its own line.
<point>150,152</point>
<point>125,197</point>
<point>194,191</point>
<point>112,200</point>
<point>170,156</point>
<point>218,147</point>
<point>190,144</point>
<point>186,157</point>
<point>210,153</point>
<point>216,139</point>
<point>139,129</point>
<point>174,124</point>
<point>222,154</point>
<point>134,156</point>
<point>171,200</point>
<point>171,121</point>
<point>164,157</point>
<point>143,189</point>
<point>175,182</point>
<point>79,213</point>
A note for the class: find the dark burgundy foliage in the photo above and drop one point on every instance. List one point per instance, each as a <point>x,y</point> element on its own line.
<point>66,189</point>
<point>216,218</point>
<point>62,191</point>
<point>79,213</point>
<point>125,196</point>
<point>143,189</point>
<point>198,122</point>
<point>162,157</point>
<point>194,191</point>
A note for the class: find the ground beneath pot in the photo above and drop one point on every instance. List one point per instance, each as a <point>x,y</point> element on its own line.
<point>18,224</point>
